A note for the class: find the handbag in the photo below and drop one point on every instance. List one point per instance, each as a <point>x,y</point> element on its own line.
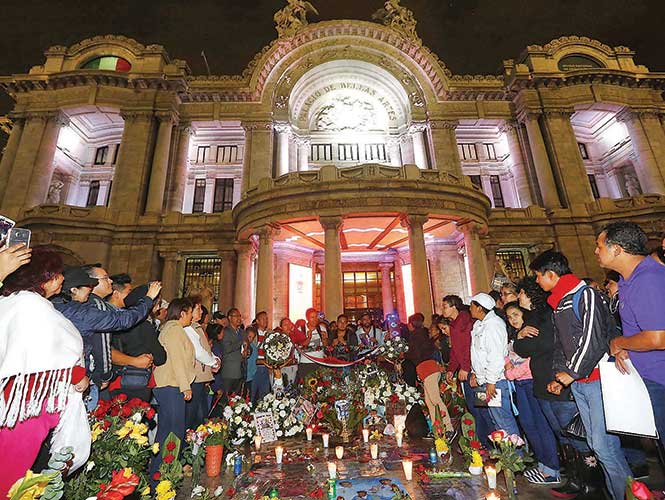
<point>575,428</point>
<point>134,378</point>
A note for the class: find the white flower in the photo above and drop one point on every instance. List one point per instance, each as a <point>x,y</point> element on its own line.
<point>237,420</point>
<point>282,414</point>
<point>198,491</point>
<point>279,433</point>
<point>238,410</point>
<point>90,465</point>
<point>218,491</point>
<point>137,417</point>
<point>228,413</point>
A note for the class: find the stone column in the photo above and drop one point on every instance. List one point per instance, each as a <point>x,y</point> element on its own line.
<point>563,144</point>
<point>416,131</point>
<point>131,171</point>
<point>444,142</point>
<point>170,275</point>
<point>322,272</point>
<point>477,260</point>
<point>303,144</point>
<point>9,154</point>
<point>72,189</point>
<point>265,271</point>
<point>648,172</point>
<point>518,165</point>
<point>179,174</point>
<point>43,168</point>
<point>258,153</point>
<point>399,289</point>
<point>227,281</point>
<point>283,132</point>
<point>394,153</point>
<point>334,300</point>
<point>541,161</point>
<point>386,288</point>
<point>656,135</point>
<point>160,163</point>
<point>422,289</point>
<point>243,288</point>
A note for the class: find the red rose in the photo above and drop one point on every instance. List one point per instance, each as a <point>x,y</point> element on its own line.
<point>126,411</point>
<point>437,423</point>
<point>157,476</point>
<point>122,397</point>
<point>475,444</point>
<point>640,491</point>
<point>169,459</point>
<point>317,493</point>
<point>251,473</point>
<point>467,421</point>
<point>115,411</point>
<point>150,414</point>
<point>471,433</point>
<point>170,445</point>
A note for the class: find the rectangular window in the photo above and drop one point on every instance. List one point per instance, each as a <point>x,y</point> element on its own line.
<point>101,154</point>
<point>497,194</point>
<point>115,154</point>
<point>375,152</point>
<point>467,151</point>
<point>202,154</point>
<point>491,152</point>
<point>476,181</point>
<point>223,195</point>
<point>108,194</point>
<point>199,196</point>
<point>583,150</point>
<point>93,194</point>
<point>348,152</point>
<point>321,152</point>
<point>202,274</point>
<point>227,154</point>
<point>594,186</point>
<point>512,264</point>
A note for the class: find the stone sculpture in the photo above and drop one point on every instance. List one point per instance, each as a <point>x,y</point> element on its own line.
<point>399,18</point>
<point>293,17</point>
<point>54,192</point>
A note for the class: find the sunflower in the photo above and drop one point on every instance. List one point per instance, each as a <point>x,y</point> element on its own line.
<point>313,382</point>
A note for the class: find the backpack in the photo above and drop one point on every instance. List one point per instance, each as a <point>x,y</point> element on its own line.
<point>611,327</point>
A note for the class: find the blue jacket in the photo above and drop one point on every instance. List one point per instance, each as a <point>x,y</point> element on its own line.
<point>90,320</point>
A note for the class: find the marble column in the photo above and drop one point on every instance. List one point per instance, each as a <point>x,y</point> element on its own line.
<point>541,162</point>
<point>9,154</point>
<point>258,153</point>
<point>243,289</point>
<point>566,154</point>
<point>476,257</point>
<point>422,289</point>
<point>518,166</point>
<point>160,163</point>
<point>416,130</point>
<point>283,131</point>
<point>227,281</point>
<point>394,153</point>
<point>265,271</point>
<point>132,169</point>
<point>444,143</point>
<point>648,172</point>
<point>386,288</point>
<point>303,144</point>
<point>170,275</point>
<point>334,300</point>
<point>179,173</point>
<point>42,171</point>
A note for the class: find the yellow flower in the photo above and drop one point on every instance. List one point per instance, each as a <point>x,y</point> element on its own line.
<point>441,445</point>
<point>155,448</point>
<point>163,487</point>
<point>34,491</point>
<point>145,492</point>
<point>97,430</point>
<point>201,428</point>
<point>122,433</point>
<point>127,472</point>
<point>140,429</point>
<point>476,460</point>
<point>140,439</point>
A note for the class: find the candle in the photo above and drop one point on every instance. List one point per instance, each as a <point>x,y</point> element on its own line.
<point>492,496</point>
<point>399,422</point>
<point>309,433</point>
<point>257,442</point>
<point>407,465</point>
<point>374,450</point>
<point>332,470</point>
<point>279,452</point>
<point>491,477</point>
<point>398,437</point>
<point>339,452</point>
<point>365,435</point>
<point>325,438</point>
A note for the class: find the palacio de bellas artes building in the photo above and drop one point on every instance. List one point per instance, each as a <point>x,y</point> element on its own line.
<point>346,168</point>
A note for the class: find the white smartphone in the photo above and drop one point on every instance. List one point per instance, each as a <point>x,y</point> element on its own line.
<point>5,225</point>
<point>19,235</point>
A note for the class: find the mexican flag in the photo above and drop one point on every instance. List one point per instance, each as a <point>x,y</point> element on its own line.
<point>109,63</point>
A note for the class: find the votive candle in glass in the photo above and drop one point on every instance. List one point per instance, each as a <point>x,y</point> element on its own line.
<point>339,452</point>
<point>326,438</point>
<point>399,437</point>
<point>366,435</point>
<point>374,451</point>
<point>492,496</point>
<point>279,453</point>
<point>407,465</point>
<point>309,433</point>
<point>257,442</point>
<point>490,472</point>
<point>332,470</point>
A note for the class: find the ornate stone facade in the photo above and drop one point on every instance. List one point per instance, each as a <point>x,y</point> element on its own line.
<point>346,148</point>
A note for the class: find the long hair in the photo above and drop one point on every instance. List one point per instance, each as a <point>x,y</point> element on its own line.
<point>537,295</point>
<point>177,307</point>
<point>44,265</point>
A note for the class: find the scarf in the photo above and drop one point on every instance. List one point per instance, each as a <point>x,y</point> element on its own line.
<point>565,284</point>
<point>39,347</point>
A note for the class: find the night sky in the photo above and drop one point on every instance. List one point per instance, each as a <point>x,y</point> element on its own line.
<point>470,36</point>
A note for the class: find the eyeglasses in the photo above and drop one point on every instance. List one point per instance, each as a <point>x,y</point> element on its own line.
<point>104,278</point>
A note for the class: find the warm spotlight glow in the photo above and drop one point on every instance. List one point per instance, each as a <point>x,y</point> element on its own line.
<point>300,290</point>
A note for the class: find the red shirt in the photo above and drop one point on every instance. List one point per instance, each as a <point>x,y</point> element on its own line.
<point>460,342</point>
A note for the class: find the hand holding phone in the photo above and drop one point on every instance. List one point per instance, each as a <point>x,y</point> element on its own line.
<point>18,235</point>
<point>13,257</point>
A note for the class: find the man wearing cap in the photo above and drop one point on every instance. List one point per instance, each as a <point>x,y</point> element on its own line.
<point>489,348</point>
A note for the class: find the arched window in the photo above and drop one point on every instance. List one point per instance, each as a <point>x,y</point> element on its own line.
<point>108,63</point>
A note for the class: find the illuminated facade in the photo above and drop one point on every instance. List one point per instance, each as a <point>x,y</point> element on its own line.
<point>346,167</point>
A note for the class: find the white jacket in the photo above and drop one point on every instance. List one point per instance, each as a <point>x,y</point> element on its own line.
<point>489,347</point>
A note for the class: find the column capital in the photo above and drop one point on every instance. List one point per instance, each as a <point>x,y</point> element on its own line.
<point>472,228</point>
<point>301,140</point>
<point>243,247</point>
<point>267,232</point>
<point>167,116</point>
<point>443,124</point>
<point>170,255</point>
<point>386,266</point>
<point>250,126</point>
<point>331,223</point>
<point>417,127</point>
<point>56,116</point>
<point>563,112</point>
<point>509,126</point>
<point>528,115</point>
<point>281,127</point>
<point>413,220</point>
<point>136,115</point>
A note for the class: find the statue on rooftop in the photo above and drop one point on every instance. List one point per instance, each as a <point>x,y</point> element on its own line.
<point>293,17</point>
<point>399,18</point>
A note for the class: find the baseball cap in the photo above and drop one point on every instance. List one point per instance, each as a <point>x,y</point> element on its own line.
<point>484,300</point>
<point>76,277</point>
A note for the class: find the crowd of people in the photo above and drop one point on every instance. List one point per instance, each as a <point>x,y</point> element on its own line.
<point>525,357</point>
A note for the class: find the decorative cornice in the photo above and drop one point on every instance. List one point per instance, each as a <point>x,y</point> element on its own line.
<point>443,124</point>
<point>250,126</point>
<point>558,43</point>
<point>136,115</point>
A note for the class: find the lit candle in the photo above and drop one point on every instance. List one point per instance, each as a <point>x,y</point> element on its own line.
<point>374,450</point>
<point>491,477</point>
<point>309,433</point>
<point>407,465</point>
<point>279,452</point>
<point>398,437</point>
<point>325,438</point>
<point>332,470</point>
<point>492,496</point>
<point>366,435</point>
<point>339,452</point>
<point>257,442</point>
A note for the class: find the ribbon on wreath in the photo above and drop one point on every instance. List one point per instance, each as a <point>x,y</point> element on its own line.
<point>332,362</point>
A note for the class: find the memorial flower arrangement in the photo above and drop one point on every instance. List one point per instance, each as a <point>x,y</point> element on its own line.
<point>410,395</point>
<point>468,441</point>
<point>240,418</point>
<point>277,347</point>
<point>505,452</point>
<point>283,412</point>
<point>439,431</point>
<point>393,349</point>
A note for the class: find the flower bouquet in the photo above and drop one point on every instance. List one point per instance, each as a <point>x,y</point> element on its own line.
<point>393,349</point>
<point>468,441</point>
<point>440,442</point>
<point>240,418</point>
<point>508,457</point>
<point>216,438</point>
<point>284,414</point>
<point>277,348</point>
